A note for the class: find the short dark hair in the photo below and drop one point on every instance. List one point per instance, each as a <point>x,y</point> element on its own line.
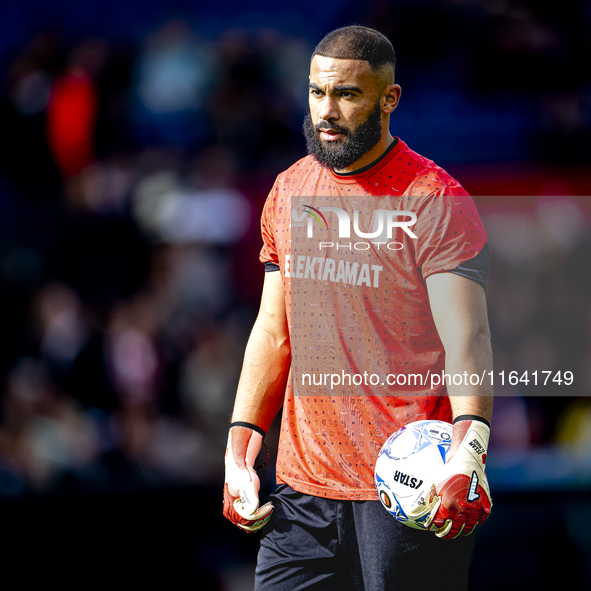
<point>358,43</point>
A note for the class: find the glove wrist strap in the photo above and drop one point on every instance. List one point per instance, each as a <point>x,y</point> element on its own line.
<point>248,426</point>
<point>471,418</point>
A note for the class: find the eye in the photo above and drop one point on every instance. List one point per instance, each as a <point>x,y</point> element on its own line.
<point>346,94</point>
<point>315,92</point>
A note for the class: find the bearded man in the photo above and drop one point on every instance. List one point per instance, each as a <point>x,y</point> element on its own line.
<point>333,304</point>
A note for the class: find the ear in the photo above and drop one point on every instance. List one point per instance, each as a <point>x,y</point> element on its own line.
<point>390,98</point>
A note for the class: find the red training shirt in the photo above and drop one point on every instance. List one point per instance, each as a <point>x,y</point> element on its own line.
<point>357,304</point>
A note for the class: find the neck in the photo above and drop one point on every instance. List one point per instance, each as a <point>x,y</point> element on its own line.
<point>370,156</point>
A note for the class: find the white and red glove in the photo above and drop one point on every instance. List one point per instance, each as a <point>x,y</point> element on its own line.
<point>241,488</point>
<point>462,485</point>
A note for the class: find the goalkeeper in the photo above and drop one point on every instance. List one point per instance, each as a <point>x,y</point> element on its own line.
<point>419,306</point>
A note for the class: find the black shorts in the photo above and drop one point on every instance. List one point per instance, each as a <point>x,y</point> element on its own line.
<point>320,544</point>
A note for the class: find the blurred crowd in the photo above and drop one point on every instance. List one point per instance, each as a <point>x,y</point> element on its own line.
<point>130,249</point>
<point>539,295</point>
<point>132,177</point>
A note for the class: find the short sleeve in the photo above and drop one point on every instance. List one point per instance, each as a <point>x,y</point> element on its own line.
<point>449,231</point>
<point>268,255</point>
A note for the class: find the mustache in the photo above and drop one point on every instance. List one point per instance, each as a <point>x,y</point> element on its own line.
<point>323,124</point>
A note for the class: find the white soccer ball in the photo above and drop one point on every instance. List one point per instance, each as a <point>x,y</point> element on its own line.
<point>405,470</point>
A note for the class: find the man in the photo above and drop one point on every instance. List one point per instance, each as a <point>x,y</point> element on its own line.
<point>408,300</point>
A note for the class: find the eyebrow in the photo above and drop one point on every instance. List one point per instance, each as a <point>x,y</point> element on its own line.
<point>340,88</point>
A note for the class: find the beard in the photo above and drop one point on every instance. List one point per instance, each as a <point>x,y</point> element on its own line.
<point>339,154</point>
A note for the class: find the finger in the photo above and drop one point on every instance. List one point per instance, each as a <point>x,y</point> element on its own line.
<point>228,502</point>
<point>454,532</point>
<point>451,528</point>
<point>230,513</point>
<point>254,528</point>
<point>261,518</point>
<point>485,512</point>
<point>243,522</point>
<point>472,524</point>
<point>444,529</point>
<point>470,527</point>
<point>260,512</point>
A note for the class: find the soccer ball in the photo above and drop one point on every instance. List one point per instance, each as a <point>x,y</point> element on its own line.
<point>406,467</point>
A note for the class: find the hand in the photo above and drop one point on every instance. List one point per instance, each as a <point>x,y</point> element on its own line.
<point>241,488</point>
<point>462,485</point>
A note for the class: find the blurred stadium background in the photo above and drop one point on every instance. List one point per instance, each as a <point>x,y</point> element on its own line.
<point>139,141</point>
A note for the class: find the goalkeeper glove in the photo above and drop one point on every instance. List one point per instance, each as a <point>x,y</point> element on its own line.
<point>462,485</point>
<point>241,488</point>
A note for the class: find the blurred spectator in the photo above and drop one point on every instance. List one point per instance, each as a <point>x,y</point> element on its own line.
<point>45,435</point>
<point>208,382</point>
<point>23,119</point>
<point>63,327</point>
<point>132,359</point>
<point>73,107</point>
<point>174,73</point>
<point>208,212</point>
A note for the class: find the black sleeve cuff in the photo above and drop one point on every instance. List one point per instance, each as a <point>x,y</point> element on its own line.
<point>271,267</point>
<point>476,268</point>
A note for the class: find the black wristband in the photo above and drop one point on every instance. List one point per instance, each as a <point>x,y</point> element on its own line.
<point>248,426</point>
<point>471,418</point>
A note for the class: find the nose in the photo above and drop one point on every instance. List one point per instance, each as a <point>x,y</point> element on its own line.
<point>329,109</point>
